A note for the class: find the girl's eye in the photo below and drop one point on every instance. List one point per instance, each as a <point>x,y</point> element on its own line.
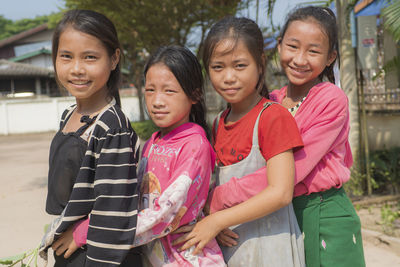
<point>292,46</point>
<point>216,67</point>
<point>170,91</point>
<point>241,66</point>
<point>65,56</point>
<point>91,57</point>
<point>148,90</point>
<point>314,52</point>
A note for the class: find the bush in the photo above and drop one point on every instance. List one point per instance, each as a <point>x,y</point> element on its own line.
<point>385,174</point>
<point>385,166</point>
<point>355,186</point>
<point>144,129</point>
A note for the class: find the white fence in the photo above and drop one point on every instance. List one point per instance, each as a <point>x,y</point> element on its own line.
<point>43,115</point>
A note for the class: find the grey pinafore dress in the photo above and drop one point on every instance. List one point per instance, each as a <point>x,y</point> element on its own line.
<point>274,240</point>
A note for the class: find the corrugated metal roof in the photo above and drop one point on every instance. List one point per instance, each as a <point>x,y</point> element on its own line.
<point>31,54</point>
<point>13,69</point>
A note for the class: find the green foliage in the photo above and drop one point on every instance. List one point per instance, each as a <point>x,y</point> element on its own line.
<point>391,17</point>
<point>30,257</point>
<point>385,165</point>
<point>385,172</point>
<point>355,186</point>
<point>144,129</point>
<point>391,13</point>
<point>9,28</point>
<point>389,213</point>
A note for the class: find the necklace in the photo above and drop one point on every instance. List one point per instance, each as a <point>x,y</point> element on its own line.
<point>295,108</point>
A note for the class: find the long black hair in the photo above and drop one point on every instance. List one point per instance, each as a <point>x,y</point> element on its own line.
<point>238,29</point>
<point>99,26</point>
<point>187,71</point>
<point>327,20</point>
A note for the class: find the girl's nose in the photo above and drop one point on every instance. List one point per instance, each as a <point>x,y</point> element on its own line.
<point>158,100</point>
<point>77,68</point>
<point>300,58</point>
<point>229,76</point>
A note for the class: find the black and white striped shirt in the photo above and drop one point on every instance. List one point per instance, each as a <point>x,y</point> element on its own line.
<point>105,189</point>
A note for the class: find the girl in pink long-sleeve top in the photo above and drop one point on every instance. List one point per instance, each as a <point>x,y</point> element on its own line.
<point>331,228</point>
<point>177,161</point>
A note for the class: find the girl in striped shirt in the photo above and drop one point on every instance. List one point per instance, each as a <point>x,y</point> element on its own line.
<point>92,167</point>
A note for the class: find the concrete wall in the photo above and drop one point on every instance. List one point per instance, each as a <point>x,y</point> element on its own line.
<point>43,115</point>
<point>383,130</point>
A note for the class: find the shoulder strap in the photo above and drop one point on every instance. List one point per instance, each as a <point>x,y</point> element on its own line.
<point>66,114</point>
<point>255,129</point>
<point>214,134</point>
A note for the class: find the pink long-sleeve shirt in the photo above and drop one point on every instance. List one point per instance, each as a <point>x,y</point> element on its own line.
<point>323,163</point>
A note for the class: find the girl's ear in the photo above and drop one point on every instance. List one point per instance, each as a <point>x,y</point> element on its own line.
<point>196,95</point>
<point>115,58</point>
<point>279,44</point>
<point>331,57</point>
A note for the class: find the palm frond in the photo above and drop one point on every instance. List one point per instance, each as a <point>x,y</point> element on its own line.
<point>391,14</point>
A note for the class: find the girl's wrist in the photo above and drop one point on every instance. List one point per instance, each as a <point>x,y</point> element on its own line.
<point>218,221</point>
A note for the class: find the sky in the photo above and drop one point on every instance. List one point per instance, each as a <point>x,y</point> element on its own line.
<point>18,9</point>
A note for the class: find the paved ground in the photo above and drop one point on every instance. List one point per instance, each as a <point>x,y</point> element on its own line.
<point>23,179</point>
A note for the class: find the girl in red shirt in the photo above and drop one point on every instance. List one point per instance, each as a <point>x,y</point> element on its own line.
<point>252,132</point>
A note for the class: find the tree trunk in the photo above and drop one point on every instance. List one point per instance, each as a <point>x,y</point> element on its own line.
<point>348,76</point>
<point>139,85</point>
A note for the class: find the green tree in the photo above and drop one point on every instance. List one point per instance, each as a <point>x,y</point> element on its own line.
<point>9,28</point>
<point>145,25</point>
<point>391,15</point>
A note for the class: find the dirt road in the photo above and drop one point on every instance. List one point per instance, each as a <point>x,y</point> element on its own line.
<point>23,179</point>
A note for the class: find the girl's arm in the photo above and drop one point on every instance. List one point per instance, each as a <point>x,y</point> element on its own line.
<point>280,173</point>
<point>113,216</point>
<point>326,130</point>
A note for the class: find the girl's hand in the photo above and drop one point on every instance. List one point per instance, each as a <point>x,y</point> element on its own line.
<point>227,238</point>
<point>65,244</point>
<point>203,232</point>
<point>183,229</point>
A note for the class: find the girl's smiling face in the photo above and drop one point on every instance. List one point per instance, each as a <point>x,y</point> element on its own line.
<point>83,64</point>
<point>304,53</point>
<point>166,102</point>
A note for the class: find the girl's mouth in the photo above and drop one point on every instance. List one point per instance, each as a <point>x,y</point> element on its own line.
<point>298,71</point>
<point>230,91</point>
<point>80,82</point>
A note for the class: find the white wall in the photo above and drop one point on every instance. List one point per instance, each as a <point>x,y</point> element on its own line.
<point>43,115</point>
<point>383,131</point>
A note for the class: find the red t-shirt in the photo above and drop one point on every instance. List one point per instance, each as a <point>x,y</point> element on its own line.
<point>277,132</point>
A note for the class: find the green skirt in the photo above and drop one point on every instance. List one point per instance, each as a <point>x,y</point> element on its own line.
<point>331,229</point>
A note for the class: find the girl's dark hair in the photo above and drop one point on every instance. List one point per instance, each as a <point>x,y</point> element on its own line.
<point>327,20</point>
<point>238,29</point>
<point>187,70</point>
<point>99,26</point>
